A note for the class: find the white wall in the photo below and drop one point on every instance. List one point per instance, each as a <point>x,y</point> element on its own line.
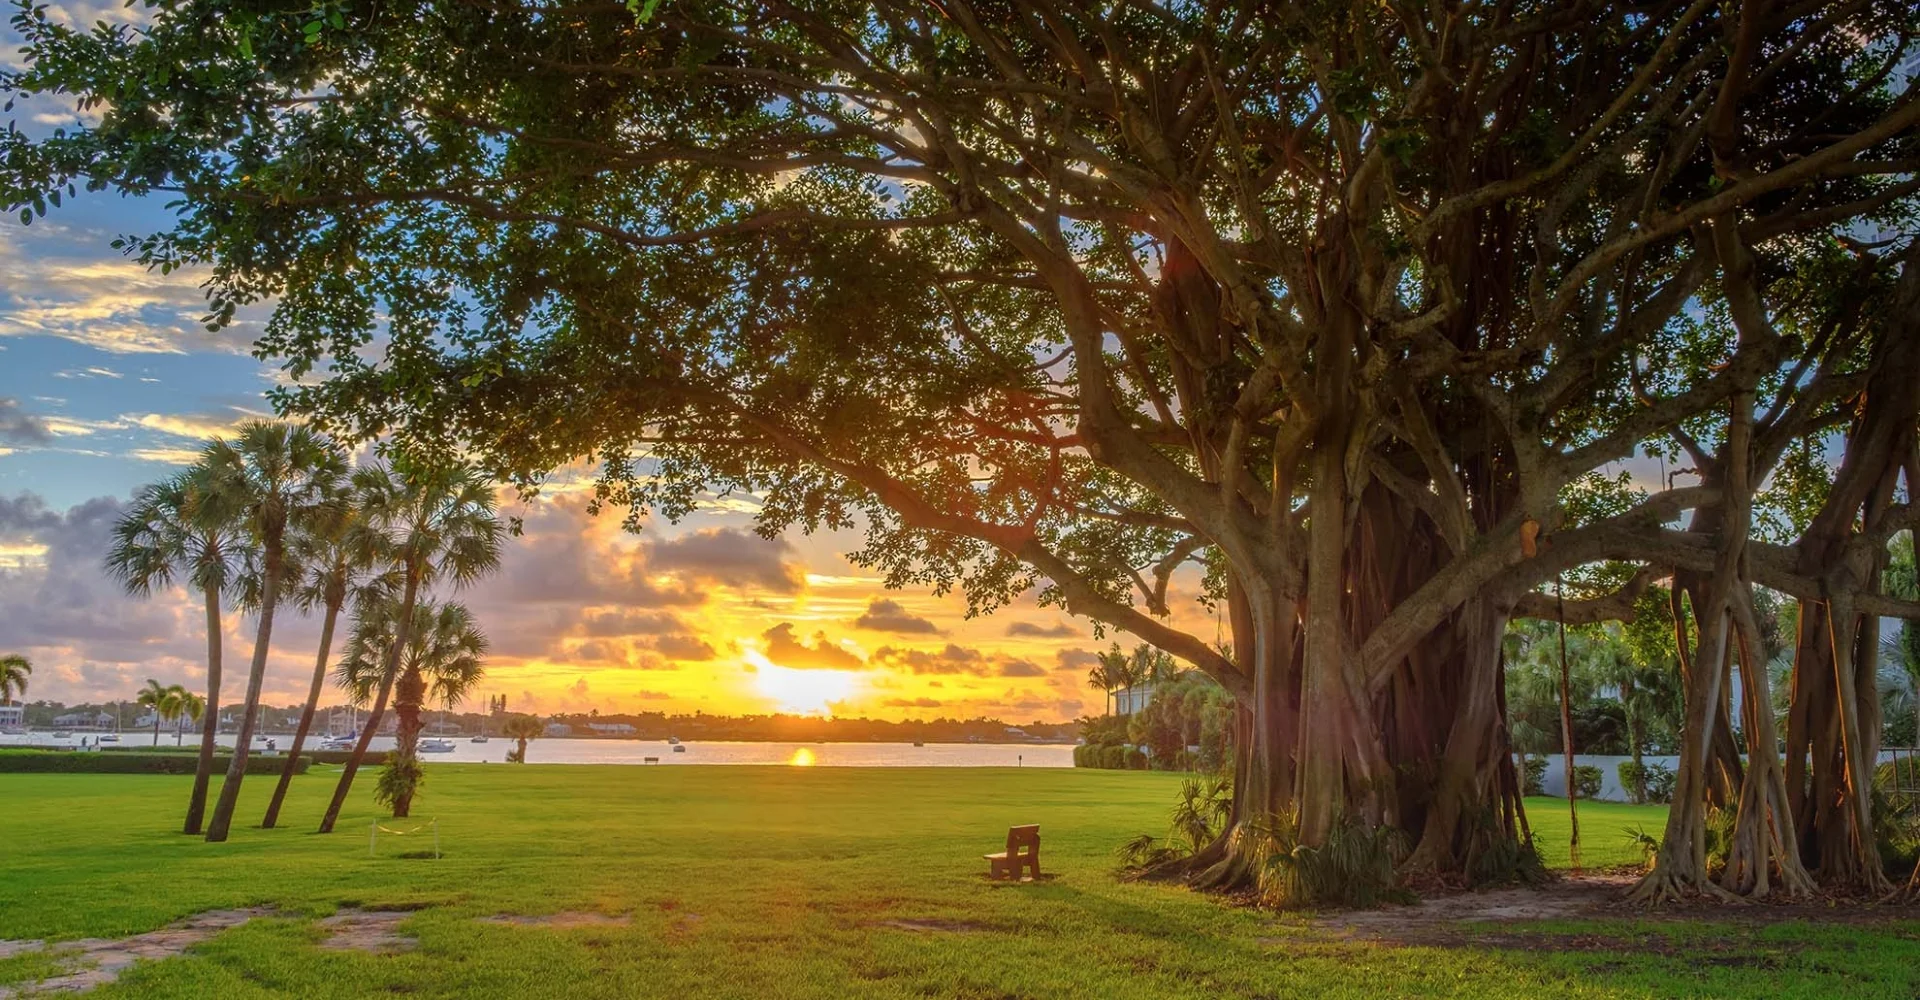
<point>1555,780</point>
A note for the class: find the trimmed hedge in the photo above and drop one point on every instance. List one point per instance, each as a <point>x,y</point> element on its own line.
<point>1110,756</point>
<point>375,758</point>
<point>82,762</point>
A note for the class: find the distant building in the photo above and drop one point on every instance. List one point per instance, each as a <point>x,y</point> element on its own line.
<point>559,729</point>
<point>610,728</point>
<point>13,716</point>
<point>84,720</point>
<point>1127,702</point>
<point>1016,731</point>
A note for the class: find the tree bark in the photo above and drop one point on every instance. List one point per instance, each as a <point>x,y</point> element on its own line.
<point>409,696</point>
<point>306,715</point>
<point>210,722</point>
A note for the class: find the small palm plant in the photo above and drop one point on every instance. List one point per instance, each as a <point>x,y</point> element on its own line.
<point>435,522</point>
<point>520,729</point>
<point>444,648</point>
<point>446,657</point>
<point>184,527</point>
<point>14,673</point>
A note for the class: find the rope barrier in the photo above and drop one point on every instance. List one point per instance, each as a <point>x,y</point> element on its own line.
<point>374,830</point>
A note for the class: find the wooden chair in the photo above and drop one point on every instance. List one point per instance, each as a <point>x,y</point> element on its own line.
<point>1023,851</point>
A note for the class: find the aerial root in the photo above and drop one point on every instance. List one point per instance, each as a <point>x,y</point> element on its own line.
<point>1664,885</point>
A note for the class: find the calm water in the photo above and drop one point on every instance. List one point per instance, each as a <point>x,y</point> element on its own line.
<point>570,751</point>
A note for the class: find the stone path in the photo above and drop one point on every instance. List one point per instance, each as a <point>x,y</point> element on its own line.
<point>93,962</point>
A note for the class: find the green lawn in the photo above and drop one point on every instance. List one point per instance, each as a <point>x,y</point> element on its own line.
<point>778,882</point>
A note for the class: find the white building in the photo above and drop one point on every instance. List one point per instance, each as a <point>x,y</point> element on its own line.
<point>559,729</point>
<point>13,716</point>
<point>84,720</point>
<point>1127,702</point>
<point>611,728</point>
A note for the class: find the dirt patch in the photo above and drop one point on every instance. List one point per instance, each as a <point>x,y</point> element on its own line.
<point>563,921</point>
<point>373,931</point>
<point>1480,919</point>
<point>93,962</point>
<point>934,926</point>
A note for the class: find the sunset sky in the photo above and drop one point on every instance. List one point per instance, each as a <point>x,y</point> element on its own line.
<point>108,381</point>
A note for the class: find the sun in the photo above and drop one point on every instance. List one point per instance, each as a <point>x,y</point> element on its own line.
<point>808,692</point>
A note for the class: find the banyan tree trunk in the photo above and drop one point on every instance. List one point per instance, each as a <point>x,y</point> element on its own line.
<point>1765,852</point>
<point>1428,754</point>
<point>1680,867</point>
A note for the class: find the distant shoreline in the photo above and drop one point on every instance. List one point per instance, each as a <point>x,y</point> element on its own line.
<point>129,738</point>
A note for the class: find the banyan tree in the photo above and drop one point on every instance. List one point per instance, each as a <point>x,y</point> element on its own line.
<point>1367,315</point>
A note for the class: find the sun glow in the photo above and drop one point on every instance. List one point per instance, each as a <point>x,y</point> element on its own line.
<point>802,757</point>
<point>804,691</point>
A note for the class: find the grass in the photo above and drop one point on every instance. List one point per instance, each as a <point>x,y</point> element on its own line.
<point>778,883</point>
<point>1606,830</point>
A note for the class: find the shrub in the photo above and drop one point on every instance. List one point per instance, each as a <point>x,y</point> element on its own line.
<point>1633,778</point>
<point>1536,769</point>
<point>75,762</point>
<point>1587,781</point>
<point>1660,780</point>
<point>400,778</point>
<point>1356,866</point>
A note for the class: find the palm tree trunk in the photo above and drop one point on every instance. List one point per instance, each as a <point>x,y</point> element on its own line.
<point>156,726</point>
<point>411,690</point>
<point>256,678</point>
<point>401,635</point>
<point>210,724</point>
<point>306,715</point>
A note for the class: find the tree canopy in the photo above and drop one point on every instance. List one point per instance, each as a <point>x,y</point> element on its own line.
<point>1355,306</point>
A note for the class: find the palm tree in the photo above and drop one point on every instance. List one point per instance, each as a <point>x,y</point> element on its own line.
<point>444,652</point>
<point>520,728</point>
<point>1108,674</point>
<point>182,704</point>
<point>336,556</point>
<point>1148,665</point>
<point>14,671</point>
<point>281,479</point>
<point>183,525</point>
<point>433,522</point>
<point>153,696</point>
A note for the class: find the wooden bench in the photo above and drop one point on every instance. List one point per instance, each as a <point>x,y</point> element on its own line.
<point>649,760</point>
<point>1023,851</point>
